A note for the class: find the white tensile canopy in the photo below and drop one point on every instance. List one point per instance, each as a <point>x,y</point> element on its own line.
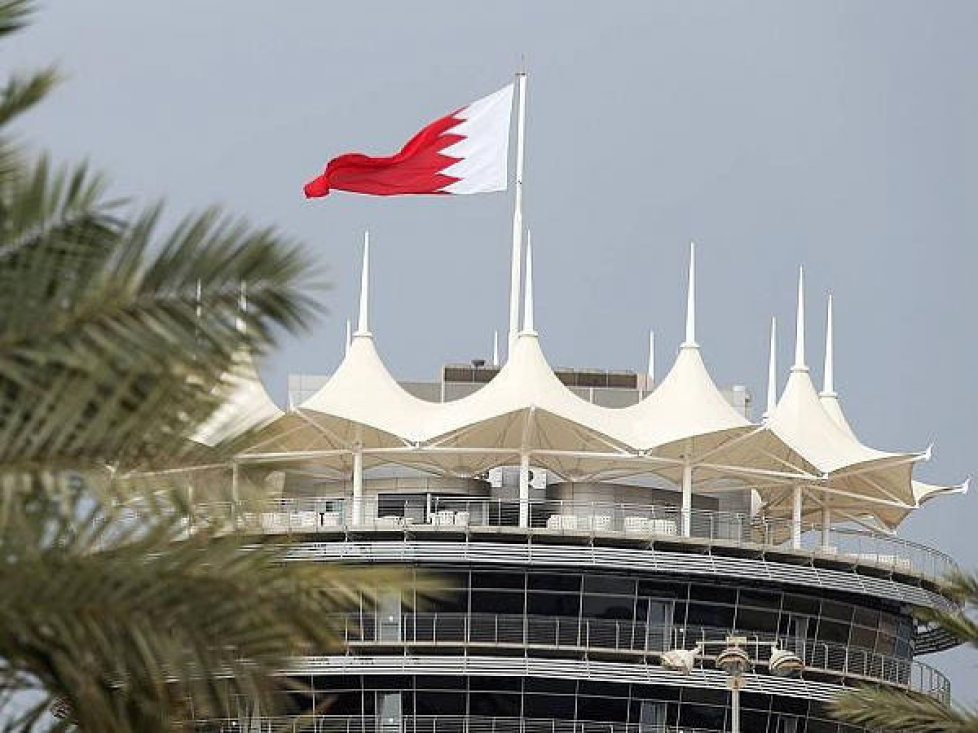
<point>802,459</point>
<point>859,482</point>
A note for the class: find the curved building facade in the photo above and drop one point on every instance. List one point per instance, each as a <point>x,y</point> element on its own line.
<point>584,580</point>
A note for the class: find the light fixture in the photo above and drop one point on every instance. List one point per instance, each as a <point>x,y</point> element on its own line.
<point>734,660</point>
<point>784,663</point>
<point>680,660</point>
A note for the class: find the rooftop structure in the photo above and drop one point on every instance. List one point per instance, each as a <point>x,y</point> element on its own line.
<point>590,528</point>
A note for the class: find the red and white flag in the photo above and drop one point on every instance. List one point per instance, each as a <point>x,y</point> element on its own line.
<point>464,152</point>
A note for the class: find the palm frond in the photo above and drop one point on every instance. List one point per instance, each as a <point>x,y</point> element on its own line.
<point>120,613</point>
<point>14,15</point>
<point>906,712</point>
<point>23,92</point>
<point>103,357</point>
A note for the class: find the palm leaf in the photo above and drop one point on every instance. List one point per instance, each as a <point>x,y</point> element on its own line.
<point>906,712</point>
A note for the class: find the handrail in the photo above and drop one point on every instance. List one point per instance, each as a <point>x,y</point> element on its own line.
<point>573,518</point>
<point>428,724</point>
<point>574,634</point>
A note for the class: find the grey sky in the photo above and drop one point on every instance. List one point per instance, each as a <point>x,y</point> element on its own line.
<point>837,135</point>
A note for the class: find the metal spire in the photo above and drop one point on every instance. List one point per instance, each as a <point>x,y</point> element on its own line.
<point>772,372</point>
<point>363,324</point>
<point>495,348</point>
<point>691,299</point>
<point>651,371</point>
<point>528,288</point>
<point>514,283</point>
<point>828,376</point>
<point>799,364</point>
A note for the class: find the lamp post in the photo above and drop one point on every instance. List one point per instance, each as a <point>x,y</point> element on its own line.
<point>735,662</point>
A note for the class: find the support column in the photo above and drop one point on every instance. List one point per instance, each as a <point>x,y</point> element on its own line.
<point>687,509</point>
<point>735,685</point>
<point>524,490</point>
<point>796,518</point>
<point>357,514</point>
<point>826,528</point>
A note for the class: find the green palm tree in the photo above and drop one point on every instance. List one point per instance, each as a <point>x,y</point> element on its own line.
<point>108,610</point>
<point>886,709</point>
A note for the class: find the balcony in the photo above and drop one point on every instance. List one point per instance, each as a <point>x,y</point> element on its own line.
<point>577,522</point>
<point>426,724</point>
<point>604,638</point>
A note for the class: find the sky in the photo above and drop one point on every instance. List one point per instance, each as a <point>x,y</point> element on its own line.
<point>835,135</point>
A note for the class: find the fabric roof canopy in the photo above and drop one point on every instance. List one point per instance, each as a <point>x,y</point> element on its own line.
<point>526,410</point>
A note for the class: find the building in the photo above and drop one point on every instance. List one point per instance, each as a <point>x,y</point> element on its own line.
<point>612,554</point>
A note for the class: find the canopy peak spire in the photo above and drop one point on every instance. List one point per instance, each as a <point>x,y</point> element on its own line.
<point>800,364</point>
<point>828,375</point>
<point>690,339</point>
<point>528,326</point>
<point>349,336</point>
<point>495,348</point>
<point>772,371</point>
<point>651,370</point>
<point>363,323</point>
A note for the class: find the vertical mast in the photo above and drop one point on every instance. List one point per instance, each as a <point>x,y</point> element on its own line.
<point>514,282</point>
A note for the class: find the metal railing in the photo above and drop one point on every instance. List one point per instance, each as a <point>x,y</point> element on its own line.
<point>583,635</point>
<point>578,519</point>
<point>425,724</point>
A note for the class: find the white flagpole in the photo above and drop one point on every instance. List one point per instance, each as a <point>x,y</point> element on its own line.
<point>514,283</point>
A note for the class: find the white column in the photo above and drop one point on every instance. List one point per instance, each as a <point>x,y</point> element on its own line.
<point>796,500</point>
<point>357,515</point>
<point>735,705</point>
<point>687,509</point>
<point>826,527</point>
<point>524,490</point>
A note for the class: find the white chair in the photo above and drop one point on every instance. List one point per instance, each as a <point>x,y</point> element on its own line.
<point>601,522</point>
<point>390,522</point>
<point>636,525</point>
<point>442,518</point>
<point>274,521</point>
<point>553,521</point>
<point>461,519</point>
<point>663,526</point>
<point>304,520</point>
<point>329,519</point>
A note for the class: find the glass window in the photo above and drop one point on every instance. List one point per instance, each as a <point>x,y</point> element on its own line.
<point>617,607</point>
<point>513,580</point>
<point>429,702</point>
<point>834,632</point>
<point>554,581</point>
<point>604,709</point>
<point>754,619</point>
<point>506,602</point>
<point>537,705</point>
<point>701,614</point>
<point>759,599</point>
<point>495,684</point>
<point>713,593</point>
<point>611,584</point>
<point>837,611</point>
<point>663,589</point>
<point>495,704</point>
<point>866,617</point>
<point>862,637</point>
<point>801,604</point>
<point>544,684</point>
<point>553,604</point>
